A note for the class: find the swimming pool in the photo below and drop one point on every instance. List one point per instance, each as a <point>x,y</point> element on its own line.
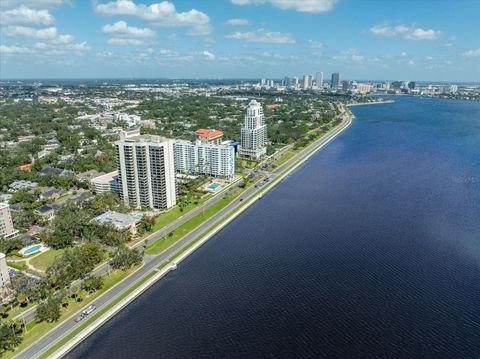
<point>213,186</point>
<point>138,215</point>
<point>32,249</point>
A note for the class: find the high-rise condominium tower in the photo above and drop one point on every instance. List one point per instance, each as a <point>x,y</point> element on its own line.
<point>254,132</point>
<point>307,81</point>
<point>4,275</point>
<point>146,171</point>
<point>6,224</point>
<point>205,158</point>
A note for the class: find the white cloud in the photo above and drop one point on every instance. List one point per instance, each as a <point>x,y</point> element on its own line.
<point>161,14</point>
<point>428,58</point>
<point>264,36</point>
<point>237,22</point>
<point>411,62</point>
<point>311,6</point>
<point>448,44</point>
<point>401,29</point>
<point>83,46</point>
<point>124,42</point>
<point>26,16</point>
<point>62,39</point>
<point>406,32</point>
<point>421,34</point>
<point>48,33</point>
<point>12,49</point>
<point>41,45</point>
<point>472,53</point>
<point>61,46</point>
<point>349,55</point>
<point>35,3</point>
<point>314,44</point>
<point>50,37</point>
<point>120,28</point>
<point>269,55</point>
<point>107,54</point>
<point>382,30</point>
<point>209,55</point>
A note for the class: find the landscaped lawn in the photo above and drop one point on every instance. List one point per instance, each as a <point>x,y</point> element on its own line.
<point>45,259</point>
<point>17,265</point>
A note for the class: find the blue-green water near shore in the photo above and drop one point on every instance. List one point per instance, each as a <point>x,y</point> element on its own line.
<point>371,249</point>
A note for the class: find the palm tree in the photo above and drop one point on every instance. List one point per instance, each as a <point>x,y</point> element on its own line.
<point>76,293</point>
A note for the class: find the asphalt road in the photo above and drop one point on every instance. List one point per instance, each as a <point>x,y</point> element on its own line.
<point>30,314</point>
<point>152,262</point>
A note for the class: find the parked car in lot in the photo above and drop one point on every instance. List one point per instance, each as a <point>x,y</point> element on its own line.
<point>89,309</point>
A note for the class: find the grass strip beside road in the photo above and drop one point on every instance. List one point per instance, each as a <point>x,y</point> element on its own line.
<point>38,330</point>
<point>283,159</point>
<point>164,243</point>
<point>168,217</point>
<point>94,317</point>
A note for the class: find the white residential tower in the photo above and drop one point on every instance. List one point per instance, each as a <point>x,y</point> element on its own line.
<point>254,132</point>
<point>146,171</point>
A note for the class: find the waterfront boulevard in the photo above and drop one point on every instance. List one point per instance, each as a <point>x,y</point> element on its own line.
<point>152,263</point>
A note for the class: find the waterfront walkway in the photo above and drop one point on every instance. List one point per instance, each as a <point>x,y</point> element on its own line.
<point>152,263</point>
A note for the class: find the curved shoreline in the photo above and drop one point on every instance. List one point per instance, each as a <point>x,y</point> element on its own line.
<point>370,103</point>
<point>159,272</point>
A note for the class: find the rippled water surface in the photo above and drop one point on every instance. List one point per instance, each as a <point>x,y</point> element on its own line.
<point>369,250</point>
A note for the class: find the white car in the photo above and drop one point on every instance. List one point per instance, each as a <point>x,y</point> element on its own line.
<point>89,309</point>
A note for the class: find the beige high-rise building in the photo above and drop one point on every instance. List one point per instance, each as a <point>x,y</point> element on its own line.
<point>146,171</point>
<point>307,81</point>
<point>6,224</point>
<point>254,132</point>
<point>4,276</point>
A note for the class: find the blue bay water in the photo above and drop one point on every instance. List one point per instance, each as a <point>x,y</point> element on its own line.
<point>371,249</point>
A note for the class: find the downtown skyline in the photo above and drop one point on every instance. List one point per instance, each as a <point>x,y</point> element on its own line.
<point>425,41</point>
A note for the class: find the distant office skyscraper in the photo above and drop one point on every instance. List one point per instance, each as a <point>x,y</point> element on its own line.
<point>295,81</point>
<point>335,80</point>
<point>146,171</point>
<point>319,79</point>
<point>254,132</point>
<point>396,84</point>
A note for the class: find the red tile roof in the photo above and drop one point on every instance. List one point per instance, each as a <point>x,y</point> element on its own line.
<point>208,133</point>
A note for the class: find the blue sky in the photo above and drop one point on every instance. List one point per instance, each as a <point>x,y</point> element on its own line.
<point>432,40</point>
